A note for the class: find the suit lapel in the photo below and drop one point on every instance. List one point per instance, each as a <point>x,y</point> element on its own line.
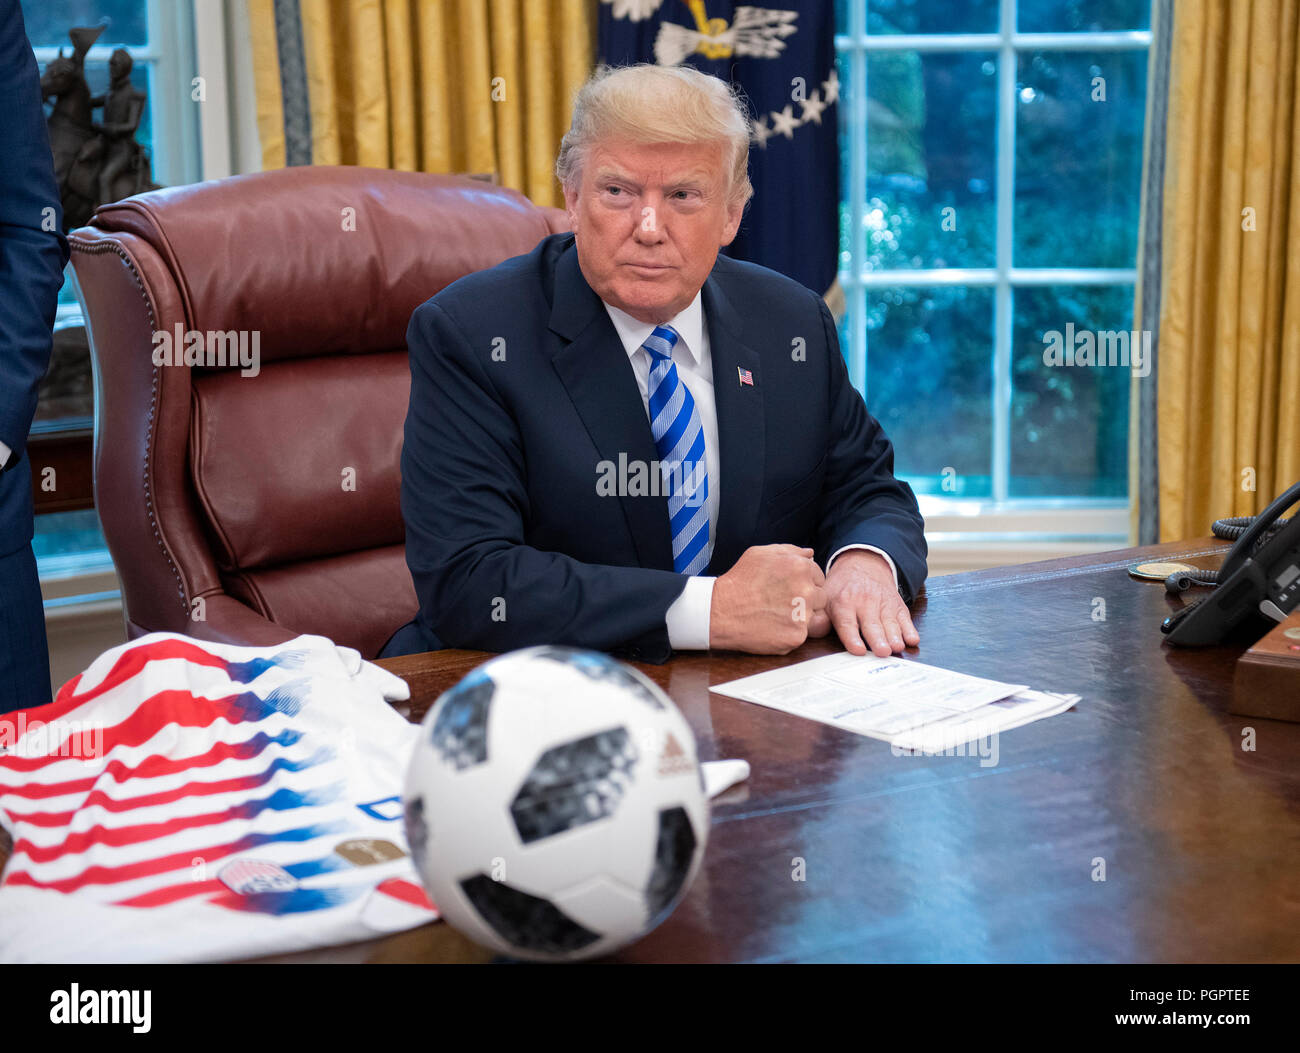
<point>598,377</point>
<point>740,429</point>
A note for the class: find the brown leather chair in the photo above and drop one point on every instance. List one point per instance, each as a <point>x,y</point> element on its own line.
<point>272,499</point>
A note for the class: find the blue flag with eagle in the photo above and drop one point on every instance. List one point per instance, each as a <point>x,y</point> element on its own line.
<point>783,59</point>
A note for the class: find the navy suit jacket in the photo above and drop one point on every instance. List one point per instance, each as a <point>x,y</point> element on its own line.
<point>520,388</point>
<point>32,257</point>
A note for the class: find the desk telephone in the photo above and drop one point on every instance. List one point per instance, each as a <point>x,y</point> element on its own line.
<point>1258,584</point>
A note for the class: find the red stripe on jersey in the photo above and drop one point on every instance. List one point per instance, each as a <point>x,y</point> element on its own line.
<point>160,897</point>
<point>171,707</point>
<point>150,768</point>
<point>118,836</point>
<point>130,664</point>
<point>128,871</point>
<point>149,800</point>
<point>406,891</point>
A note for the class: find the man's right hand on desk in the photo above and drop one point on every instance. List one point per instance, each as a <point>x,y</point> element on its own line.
<point>767,601</point>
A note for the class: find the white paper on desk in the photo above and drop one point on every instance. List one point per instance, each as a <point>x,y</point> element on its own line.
<point>947,735</point>
<point>878,697</point>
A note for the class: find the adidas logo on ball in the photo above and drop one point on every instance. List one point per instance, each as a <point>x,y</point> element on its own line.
<point>675,760</point>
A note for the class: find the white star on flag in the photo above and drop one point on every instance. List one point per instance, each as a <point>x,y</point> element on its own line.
<point>636,10</point>
<point>812,108</point>
<point>785,122</point>
<point>831,85</point>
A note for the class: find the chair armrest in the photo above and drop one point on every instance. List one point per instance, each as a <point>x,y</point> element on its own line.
<point>226,620</point>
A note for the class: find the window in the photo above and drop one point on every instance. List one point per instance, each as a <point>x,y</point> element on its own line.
<point>992,154</point>
<point>158,35</point>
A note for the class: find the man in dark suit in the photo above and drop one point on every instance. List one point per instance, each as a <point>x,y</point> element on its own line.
<point>33,252</point>
<point>625,441</point>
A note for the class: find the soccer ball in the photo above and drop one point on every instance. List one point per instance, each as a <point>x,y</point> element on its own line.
<point>554,804</point>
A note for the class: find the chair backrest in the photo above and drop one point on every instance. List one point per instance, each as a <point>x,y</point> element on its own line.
<point>248,340</point>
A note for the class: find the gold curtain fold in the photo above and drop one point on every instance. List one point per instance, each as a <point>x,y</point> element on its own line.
<point>1229,325</point>
<point>469,86</point>
<point>266,77</point>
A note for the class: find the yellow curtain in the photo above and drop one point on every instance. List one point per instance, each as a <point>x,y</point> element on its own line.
<point>1229,326</point>
<point>266,77</point>
<point>475,86</point>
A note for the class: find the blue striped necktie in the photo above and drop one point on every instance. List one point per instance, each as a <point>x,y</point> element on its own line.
<point>679,441</point>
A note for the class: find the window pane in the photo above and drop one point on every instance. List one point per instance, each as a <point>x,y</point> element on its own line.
<point>929,383</point>
<point>1086,16</point>
<point>931,122</point>
<point>1079,118</point>
<point>927,16</point>
<point>67,390</point>
<point>48,21</point>
<point>70,543</point>
<point>1069,424</point>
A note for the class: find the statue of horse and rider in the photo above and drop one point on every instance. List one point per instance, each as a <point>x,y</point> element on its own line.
<point>95,162</point>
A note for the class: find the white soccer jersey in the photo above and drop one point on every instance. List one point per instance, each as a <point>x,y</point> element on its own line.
<point>184,801</point>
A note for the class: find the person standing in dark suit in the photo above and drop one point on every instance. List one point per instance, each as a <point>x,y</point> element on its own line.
<point>625,441</point>
<point>33,252</point>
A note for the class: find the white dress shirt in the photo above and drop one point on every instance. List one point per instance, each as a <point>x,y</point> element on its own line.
<point>687,619</point>
<point>4,454</point>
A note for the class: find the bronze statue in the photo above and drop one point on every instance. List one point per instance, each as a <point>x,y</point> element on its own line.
<point>95,162</point>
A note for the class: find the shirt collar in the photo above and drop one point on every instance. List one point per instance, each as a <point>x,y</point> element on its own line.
<point>689,325</point>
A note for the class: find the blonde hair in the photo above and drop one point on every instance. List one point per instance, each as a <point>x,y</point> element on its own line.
<point>658,104</point>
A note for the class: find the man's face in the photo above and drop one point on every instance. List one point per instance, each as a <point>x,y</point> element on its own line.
<point>649,221</point>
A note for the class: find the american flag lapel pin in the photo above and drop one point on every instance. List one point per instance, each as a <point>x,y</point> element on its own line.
<point>746,377</point>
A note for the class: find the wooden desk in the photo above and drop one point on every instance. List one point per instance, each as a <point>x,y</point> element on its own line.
<point>945,859</point>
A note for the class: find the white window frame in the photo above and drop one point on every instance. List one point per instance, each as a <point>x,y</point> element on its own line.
<point>1051,521</point>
